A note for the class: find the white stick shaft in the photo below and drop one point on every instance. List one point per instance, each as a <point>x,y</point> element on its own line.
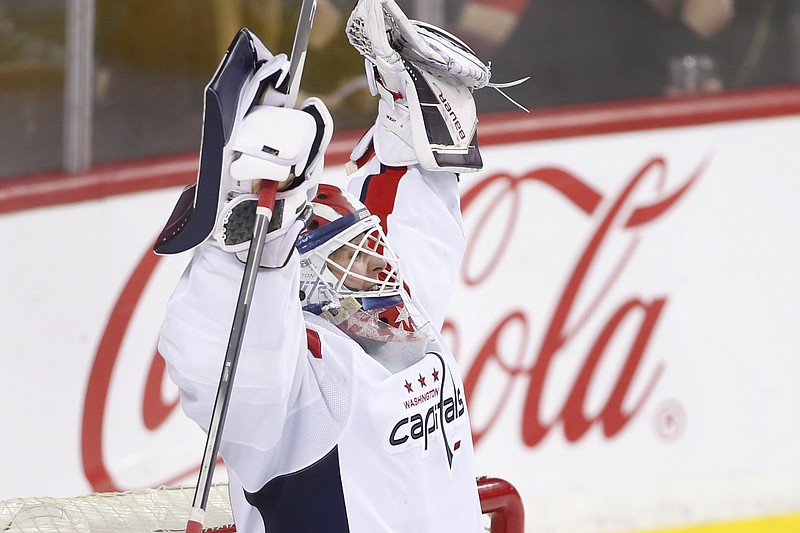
<point>300,49</point>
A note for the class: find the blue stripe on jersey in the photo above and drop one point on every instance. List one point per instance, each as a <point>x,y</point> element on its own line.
<point>363,196</point>
<point>308,501</point>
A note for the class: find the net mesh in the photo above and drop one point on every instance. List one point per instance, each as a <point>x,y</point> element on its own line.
<point>151,510</point>
<point>166,509</point>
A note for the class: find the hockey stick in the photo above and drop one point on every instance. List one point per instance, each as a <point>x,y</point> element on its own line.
<point>299,50</point>
<point>266,203</point>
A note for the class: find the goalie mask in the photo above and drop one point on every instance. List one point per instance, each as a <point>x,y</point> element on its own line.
<point>425,78</point>
<point>350,276</point>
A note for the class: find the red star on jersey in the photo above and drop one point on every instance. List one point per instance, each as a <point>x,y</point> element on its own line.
<point>408,386</point>
<point>435,375</point>
<point>421,380</point>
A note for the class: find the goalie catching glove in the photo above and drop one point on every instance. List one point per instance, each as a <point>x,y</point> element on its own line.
<point>425,78</point>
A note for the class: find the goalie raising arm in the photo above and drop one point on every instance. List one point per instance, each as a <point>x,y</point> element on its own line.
<point>348,413</point>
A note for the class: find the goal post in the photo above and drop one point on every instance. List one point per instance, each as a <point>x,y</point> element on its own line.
<point>503,504</point>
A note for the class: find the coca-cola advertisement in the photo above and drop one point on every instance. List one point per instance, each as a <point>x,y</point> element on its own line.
<point>625,319</point>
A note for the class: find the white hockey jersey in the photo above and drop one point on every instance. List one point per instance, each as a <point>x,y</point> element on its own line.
<point>319,437</point>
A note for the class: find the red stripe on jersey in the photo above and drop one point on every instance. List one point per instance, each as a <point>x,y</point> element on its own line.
<point>364,159</point>
<point>382,191</point>
<point>457,445</point>
<point>314,344</point>
<point>379,193</point>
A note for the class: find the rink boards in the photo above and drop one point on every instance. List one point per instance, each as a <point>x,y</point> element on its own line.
<point>626,322</point>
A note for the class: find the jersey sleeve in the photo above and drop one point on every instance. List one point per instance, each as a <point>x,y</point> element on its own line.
<point>272,362</point>
<point>421,214</point>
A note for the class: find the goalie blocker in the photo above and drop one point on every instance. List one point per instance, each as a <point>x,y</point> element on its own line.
<point>248,136</point>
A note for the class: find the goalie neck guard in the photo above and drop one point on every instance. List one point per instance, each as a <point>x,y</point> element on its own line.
<point>350,276</point>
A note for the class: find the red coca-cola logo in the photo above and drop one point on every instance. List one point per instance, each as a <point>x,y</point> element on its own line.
<point>564,322</point>
<point>154,408</point>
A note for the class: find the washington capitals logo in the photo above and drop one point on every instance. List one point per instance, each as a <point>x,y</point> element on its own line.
<point>418,428</point>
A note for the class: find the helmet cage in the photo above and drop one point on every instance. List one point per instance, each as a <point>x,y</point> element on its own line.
<point>324,281</point>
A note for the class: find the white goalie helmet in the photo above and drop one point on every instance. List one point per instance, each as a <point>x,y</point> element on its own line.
<point>425,77</point>
<point>350,276</point>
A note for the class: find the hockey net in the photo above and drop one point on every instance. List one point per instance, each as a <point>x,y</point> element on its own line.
<point>151,510</point>
<point>166,509</point>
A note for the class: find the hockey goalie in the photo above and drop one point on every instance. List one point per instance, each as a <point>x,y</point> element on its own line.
<point>348,412</point>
